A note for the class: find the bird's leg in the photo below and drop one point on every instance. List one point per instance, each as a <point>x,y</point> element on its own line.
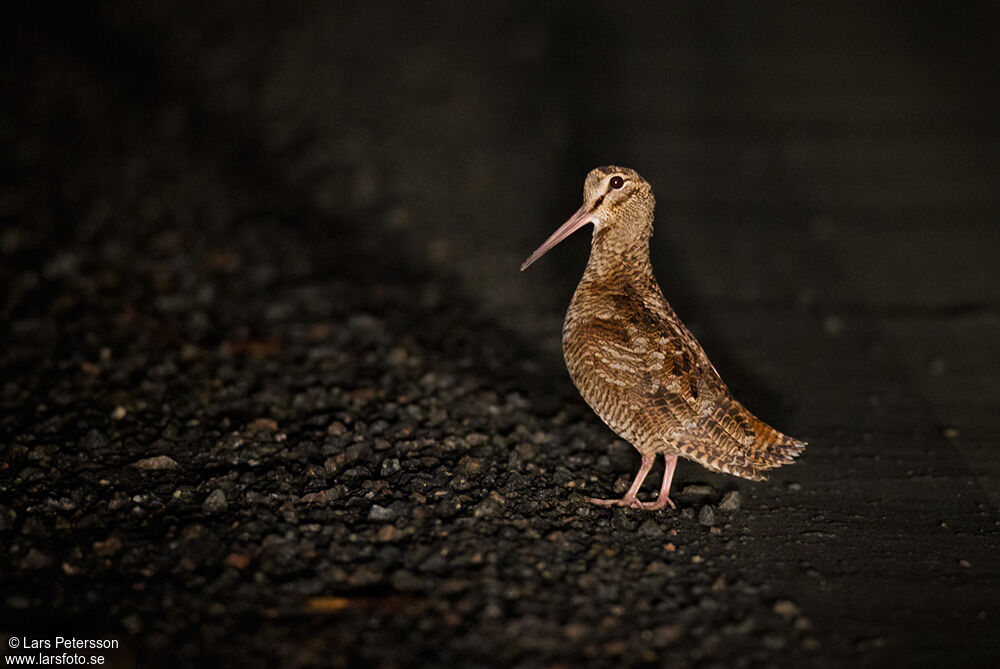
<point>630,497</point>
<point>670,463</point>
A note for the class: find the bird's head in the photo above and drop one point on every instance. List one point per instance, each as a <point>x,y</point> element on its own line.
<point>617,201</point>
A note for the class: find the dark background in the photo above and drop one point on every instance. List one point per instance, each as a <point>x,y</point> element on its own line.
<point>275,246</point>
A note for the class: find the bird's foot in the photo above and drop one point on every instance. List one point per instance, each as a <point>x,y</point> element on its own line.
<point>630,502</point>
<point>661,503</point>
<point>634,503</point>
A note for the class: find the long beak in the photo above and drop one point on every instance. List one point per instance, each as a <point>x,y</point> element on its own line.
<point>575,222</point>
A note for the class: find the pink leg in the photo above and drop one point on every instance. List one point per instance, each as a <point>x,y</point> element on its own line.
<point>670,463</point>
<point>630,497</point>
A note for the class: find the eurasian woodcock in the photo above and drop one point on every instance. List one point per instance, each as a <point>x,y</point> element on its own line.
<point>636,364</point>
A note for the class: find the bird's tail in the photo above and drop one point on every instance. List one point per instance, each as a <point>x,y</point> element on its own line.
<point>741,444</point>
<point>773,450</point>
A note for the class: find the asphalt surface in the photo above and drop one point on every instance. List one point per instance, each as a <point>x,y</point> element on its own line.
<point>273,393</point>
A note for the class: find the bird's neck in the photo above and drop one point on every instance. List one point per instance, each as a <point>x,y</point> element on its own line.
<point>614,256</point>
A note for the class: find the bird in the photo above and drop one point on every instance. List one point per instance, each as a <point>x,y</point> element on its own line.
<point>636,364</point>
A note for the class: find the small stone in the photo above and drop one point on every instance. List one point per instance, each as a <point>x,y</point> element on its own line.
<point>490,506</point>
<point>132,624</point>
<point>35,559</point>
<point>156,463</point>
<point>364,576</point>
<point>657,568</point>
<point>356,453</point>
<point>731,501</point>
<point>397,356</point>
<point>621,484</point>
<point>651,528</point>
<point>785,608</point>
<point>7,518</point>
<point>215,502</point>
<point>94,441</point>
<point>698,490</point>
<point>773,641</point>
<point>469,466</point>
<point>390,466</point>
<point>262,425</point>
<point>389,533</point>
<point>623,520</point>
<point>666,635</point>
<point>454,586</point>
<point>320,497</point>
<point>381,513</point>
<point>406,581</point>
<point>527,452</point>
<point>436,562</point>
<point>576,631</point>
<point>794,487</point>
<point>706,516</point>
<point>108,547</point>
<point>461,483</point>
<point>615,648</point>
<point>119,500</point>
<point>237,560</point>
<point>118,413</point>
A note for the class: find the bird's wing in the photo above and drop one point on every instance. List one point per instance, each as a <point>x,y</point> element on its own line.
<point>687,404</point>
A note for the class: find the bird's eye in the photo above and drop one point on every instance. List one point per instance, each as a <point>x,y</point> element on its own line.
<point>616,182</point>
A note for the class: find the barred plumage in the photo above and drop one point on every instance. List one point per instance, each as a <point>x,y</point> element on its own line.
<point>636,364</point>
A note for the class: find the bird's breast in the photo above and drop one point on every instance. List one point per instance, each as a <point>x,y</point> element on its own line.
<point>601,359</point>
<point>633,361</point>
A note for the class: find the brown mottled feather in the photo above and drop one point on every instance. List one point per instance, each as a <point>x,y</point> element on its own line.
<point>645,374</point>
